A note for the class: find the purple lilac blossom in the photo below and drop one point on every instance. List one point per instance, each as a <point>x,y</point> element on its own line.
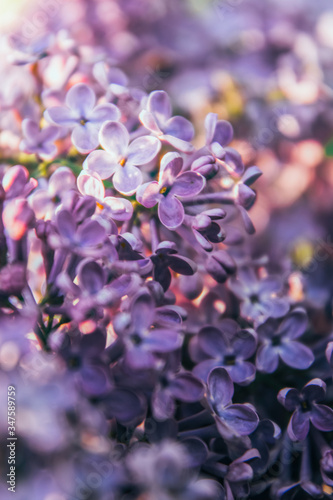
<point>82,116</point>
<point>120,158</point>
<point>306,409</point>
<point>172,185</point>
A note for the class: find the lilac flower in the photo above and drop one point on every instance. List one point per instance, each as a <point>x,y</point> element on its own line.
<point>39,142</point>
<point>83,355</point>
<point>326,467</point>
<point>278,340</point>
<point>259,296</point>
<point>228,349</point>
<point>121,158</point>
<point>86,239</point>
<point>166,257</point>
<point>45,200</point>
<point>157,117</point>
<point>165,471</point>
<point>232,420</point>
<point>306,409</point>
<point>171,185</point>
<point>239,474</point>
<point>91,294</point>
<point>110,78</point>
<point>90,184</point>
<point>219,133</point>
<point>17,218</point>
<point>16,182</point>
<point>142,342</point>
<point>81,115</point>
<point>174,384</point>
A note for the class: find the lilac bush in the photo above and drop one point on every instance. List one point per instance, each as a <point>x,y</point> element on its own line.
<point>164,315</point>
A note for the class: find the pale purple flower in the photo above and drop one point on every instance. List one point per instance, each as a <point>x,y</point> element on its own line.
<point>219,134</point>
<point>173,384</point>
<point>279,340</point>
<point>232,420</point>
<point>142,342</point>
<point>83,356</point>
<point>17,183</point>
<point>82,116</point>
<point>157,117</point>
<point>86,239</point>
<point>121,157</point>
<point>90,184</point>
<point>229,348</point>
<point>306,409</point>
<point>172,185</point>
<point>46,200</point>
<point>259,297</point>
<point>39,141</point>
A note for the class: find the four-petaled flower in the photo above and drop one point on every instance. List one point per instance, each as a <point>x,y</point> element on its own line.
<point>172,184</point>
<point>306,409</point>
<point>39,142</point>
<point>232,420</point>
<point>121,158</point>
<point>81,115</point>
<point>157,117</point>
<point>278,340</point>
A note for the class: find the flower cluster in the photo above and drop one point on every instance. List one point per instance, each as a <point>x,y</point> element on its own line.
<point>159,350</point>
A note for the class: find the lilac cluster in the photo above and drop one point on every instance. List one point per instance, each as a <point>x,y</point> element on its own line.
<point>157,353</point>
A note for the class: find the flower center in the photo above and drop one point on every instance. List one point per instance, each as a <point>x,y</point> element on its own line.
<point>99,205</point>
<point>230,359</point>
<point>83,121</point>
<point>122,162</point>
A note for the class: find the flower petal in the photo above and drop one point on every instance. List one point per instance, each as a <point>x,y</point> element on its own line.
<point>147,119</point>
<point>142,150</point>
<point>120,209</point>
<point>101,162</point>
<point>221,388</point>
<point>322,417</point>
<point>171,212</point>
<point>90,233</point>
<point>127,179</point>
<point>267,359</point>
<point>210,124</point>
<point>212,341</point>
<point>159,104</point>
<point>188,184</point>
<point>90,184</point>
<point>148,194</point>
<point>289,398</point>
<point>62,116</point>
<point>85,137</point>
<point>187,388</point>
<point>81,99</point>
<point>114,138</point>
<point>295,324</point>
<point>143,312</point>
<point>223,133</point>
<point>299,425</point>
<point>314,390</point>
<point>296,355</point>
<point>237,420</point>
<point>179,127</point>
<point>103,113</point>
